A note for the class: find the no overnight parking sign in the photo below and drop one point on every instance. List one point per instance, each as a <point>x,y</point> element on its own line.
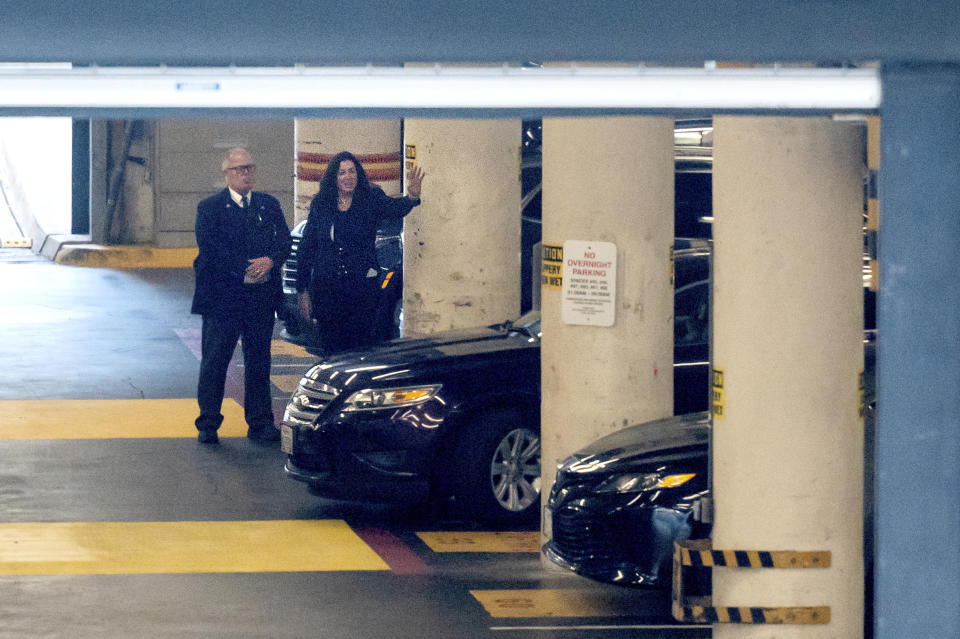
<point>589,283</point>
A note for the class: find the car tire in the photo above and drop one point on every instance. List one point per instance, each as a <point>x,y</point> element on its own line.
<point>498,468</point>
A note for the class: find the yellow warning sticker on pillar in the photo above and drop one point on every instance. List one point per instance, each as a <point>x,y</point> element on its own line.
<point>410,156</point>
<point>717,396</point>
<point>551,267</point>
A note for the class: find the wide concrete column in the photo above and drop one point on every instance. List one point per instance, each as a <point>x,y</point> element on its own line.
<point>461,253</point>
<point>788,319</point>
<point>607,180</point>
<point>376,143</point>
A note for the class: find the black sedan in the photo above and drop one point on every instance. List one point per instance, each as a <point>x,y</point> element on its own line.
<point>618,505</point>
<point>457,414</point>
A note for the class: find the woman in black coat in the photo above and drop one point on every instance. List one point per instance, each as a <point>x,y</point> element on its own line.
<point>337,260</point>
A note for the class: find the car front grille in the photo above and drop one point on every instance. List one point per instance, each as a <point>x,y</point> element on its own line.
<point>290,267</point>
<point>308,401</point>
<point>579,534</point>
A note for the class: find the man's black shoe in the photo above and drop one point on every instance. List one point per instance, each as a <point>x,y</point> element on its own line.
<point>208,437</point>
<point>265,434</point>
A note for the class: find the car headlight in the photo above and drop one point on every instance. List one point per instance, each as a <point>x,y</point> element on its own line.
<point>379,398</point>
<point>639,482</point>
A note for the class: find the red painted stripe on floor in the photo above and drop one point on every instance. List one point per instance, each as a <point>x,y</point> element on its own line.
<point>233,388</point>
<point>399,557</point>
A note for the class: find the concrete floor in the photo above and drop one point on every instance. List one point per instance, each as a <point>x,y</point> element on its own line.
<point>115,522</point>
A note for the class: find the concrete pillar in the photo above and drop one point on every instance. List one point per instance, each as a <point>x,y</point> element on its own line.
<point>99,133</point>
<point>607,180</point>
<point>376,143</point>
<point>461,254</point>
<point>788,321</point>
<point>918,357</point>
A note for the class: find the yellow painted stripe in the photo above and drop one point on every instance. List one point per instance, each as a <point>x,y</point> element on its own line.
<point>797,615</point>
<point>96,255</point>
<point>482,541</point>
<point>108,548</point>
<point>16,242</point>
<point>283,347</point>
<point>801,558</point>
<point>873,142</point>
<point>557,603</point>
<point>286,383</point>
<point>110,418</point>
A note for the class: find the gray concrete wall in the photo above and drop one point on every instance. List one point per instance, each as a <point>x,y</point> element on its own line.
<point>188,156</point>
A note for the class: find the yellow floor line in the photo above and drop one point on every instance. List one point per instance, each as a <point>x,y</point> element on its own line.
<point>286,383</point>
<point>110,418</point>
<point>122,257</point>
<point>556,603</point>
<point>103,548</point>
<point>482,541</point>
<point>283,347</point>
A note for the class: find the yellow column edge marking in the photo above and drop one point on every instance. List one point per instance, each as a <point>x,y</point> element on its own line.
<point>100,548</point>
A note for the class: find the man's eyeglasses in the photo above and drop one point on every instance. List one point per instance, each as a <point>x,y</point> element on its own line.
<point>245,168</point>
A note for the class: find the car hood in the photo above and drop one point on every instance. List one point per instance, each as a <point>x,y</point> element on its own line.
<point>437,346</point>
<point>651,442</point>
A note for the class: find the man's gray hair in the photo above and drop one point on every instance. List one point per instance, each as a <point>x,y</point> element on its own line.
<point>234,151</point>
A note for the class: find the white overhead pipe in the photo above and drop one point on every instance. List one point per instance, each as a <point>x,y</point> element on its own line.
<point>439,87</point>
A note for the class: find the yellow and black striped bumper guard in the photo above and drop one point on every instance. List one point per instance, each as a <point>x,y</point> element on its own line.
<point>700,554</point>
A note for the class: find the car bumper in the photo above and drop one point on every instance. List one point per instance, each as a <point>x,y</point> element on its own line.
<point>366,456</point>
<point>617,544</point>
<point>360,484</point>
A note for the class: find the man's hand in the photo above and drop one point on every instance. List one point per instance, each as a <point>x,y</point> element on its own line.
<point>304,305</point>
<point>258,270</point>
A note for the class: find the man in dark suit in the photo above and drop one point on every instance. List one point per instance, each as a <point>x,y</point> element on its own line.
<point>243,240</point>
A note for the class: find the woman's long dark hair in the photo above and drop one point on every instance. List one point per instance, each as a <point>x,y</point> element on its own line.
<point>327,195</point>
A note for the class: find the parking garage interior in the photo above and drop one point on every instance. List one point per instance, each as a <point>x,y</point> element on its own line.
<point>88,349</point>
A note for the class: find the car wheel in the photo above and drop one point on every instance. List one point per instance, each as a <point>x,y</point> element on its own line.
<point>498,469</point>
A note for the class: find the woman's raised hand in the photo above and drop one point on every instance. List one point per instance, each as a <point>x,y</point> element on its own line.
<point>414,181</point>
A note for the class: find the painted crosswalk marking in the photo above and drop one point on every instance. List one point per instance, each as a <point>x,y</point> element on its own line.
<point>481,541</point>
<point>110,418</point>
<point>557,603</point>
<point>101,548</point>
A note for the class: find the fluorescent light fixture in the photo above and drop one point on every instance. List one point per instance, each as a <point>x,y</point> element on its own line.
<point>440,87</point>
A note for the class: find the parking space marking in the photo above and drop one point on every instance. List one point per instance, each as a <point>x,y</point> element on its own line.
<point>283,347</point>
<point>111,548</point>
<point>482,541</point>
<point>286,383</point>
<point>110,418</point>
<point>557,603</point>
